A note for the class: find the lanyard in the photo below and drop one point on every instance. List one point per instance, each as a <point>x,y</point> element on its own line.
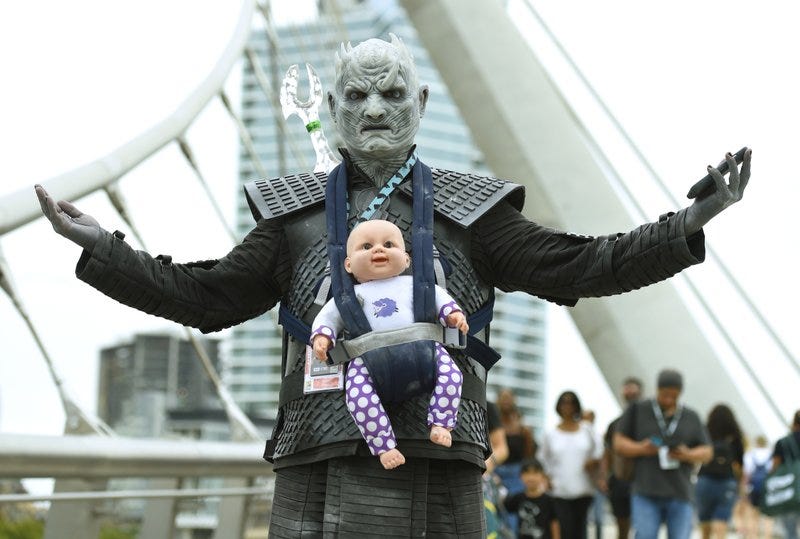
<point>666,430</point>
<point>388,188</point>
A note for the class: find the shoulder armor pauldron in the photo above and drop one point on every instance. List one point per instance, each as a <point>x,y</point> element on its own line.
<point>281,196</point>
<point>461,197</point>
<point>464,198</point>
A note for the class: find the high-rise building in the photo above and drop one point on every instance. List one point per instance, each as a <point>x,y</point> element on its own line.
<point>142,380</point>
<point>443,141</point>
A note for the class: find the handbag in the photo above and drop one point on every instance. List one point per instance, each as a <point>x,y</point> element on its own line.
<point>623,467</point>
<point>782,486</point>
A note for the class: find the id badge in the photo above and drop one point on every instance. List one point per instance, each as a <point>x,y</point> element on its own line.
<point>665,461</point>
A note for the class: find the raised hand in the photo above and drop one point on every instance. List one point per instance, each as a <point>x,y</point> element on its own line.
<point>706,207</point>
<point>69,221</point>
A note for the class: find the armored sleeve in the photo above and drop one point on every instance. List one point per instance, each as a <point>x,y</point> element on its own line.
<point>513,253</point>
<point>209,295</point>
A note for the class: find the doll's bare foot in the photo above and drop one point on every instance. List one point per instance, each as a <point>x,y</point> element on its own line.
<point>392,459</point>
<point>441,436</point>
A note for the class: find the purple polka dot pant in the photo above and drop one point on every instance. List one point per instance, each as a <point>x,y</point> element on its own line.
<point>370,417</point>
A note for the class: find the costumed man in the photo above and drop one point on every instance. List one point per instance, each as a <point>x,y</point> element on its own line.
<point>327,483</point>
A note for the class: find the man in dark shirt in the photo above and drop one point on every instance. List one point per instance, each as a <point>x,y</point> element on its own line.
<point>667,440</point>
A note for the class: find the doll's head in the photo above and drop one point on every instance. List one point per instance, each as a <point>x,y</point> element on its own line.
<point>376,250</point>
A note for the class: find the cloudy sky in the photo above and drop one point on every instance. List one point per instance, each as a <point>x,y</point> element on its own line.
<point>688,80</point>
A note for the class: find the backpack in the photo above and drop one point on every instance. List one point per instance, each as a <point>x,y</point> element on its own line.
<point>757,479</point>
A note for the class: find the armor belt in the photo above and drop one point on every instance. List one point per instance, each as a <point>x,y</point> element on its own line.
<point>474,347</point>
<point>347,349</point>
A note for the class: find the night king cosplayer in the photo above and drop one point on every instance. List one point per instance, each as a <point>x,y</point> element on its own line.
<point>325,474</point>
<point>376,257</point>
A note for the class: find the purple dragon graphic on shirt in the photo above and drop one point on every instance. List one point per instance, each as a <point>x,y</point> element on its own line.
<point>384,307</point>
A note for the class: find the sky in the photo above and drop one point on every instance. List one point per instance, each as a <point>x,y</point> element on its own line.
<point>688,80</point>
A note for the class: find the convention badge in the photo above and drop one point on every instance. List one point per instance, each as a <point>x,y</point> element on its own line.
<point>319,376</point>
<point>665,461</point>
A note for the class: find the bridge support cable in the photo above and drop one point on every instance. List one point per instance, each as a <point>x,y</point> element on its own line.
<point>645,162</point>
<point>640,214</point>
<point>242,429</point>
<point>78,421</point>
<point>19,208</point>
<point>186,150</point>
<point>272,99</point>
<point>244,136</point>
<point>626,334</point>
<point>75,515</point>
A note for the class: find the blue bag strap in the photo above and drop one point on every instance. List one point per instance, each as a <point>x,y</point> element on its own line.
<point>342,289</point>
<point>293,325</point>
<point>482,317</point>
<point>422,244</point>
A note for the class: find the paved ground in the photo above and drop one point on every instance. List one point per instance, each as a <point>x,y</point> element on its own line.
<point>610,532</point>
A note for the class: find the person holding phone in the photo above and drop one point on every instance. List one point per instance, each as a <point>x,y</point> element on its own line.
<point>667,439</point>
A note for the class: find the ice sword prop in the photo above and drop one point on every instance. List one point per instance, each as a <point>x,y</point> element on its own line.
<point>308,111</point>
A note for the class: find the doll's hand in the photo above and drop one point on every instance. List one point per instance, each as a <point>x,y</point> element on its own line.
<point>321,345</point>
<point>456,319</point>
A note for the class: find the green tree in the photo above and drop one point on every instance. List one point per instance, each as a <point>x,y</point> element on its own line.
<point>27,528</point>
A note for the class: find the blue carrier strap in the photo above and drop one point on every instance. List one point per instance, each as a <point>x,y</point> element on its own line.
<point>355,321</point>
<point>422,244</point>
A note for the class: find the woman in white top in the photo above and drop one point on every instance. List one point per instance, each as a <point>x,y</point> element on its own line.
<point>571,454</point>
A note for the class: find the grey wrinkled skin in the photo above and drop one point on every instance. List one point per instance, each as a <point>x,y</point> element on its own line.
<point>705,208</point>
<point>69,221</point>
<point>377,104</point>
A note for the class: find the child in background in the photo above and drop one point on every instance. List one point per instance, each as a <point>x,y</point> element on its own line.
<point>535,509</point>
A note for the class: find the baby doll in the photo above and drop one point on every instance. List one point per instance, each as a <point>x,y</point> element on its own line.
<point>376,257</point>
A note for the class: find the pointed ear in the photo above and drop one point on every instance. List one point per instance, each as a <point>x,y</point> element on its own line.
<point>347,267</point>
<point>423,99</point>
<point>332,106</point>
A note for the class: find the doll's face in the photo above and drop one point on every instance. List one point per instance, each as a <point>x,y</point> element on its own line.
<point>375,250</point>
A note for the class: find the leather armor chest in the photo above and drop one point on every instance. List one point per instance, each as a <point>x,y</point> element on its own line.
<point>319,425</point>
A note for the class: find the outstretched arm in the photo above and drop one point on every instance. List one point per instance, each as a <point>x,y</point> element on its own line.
<point>706,207</point>
<point>209,295</point>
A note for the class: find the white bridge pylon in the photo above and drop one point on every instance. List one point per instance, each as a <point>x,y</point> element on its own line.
<point>568,187</point>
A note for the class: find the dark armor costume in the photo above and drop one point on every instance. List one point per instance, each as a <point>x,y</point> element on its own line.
<point>327,483</point>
